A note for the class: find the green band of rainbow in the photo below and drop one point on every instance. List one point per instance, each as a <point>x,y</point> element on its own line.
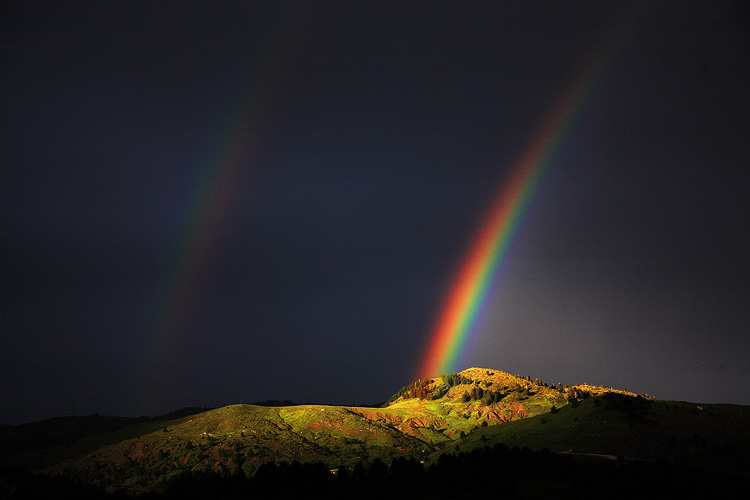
<point>472,284</point>
<point>226,170</point>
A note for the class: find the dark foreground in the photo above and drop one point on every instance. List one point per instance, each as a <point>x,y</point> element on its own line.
<point>497,472</point>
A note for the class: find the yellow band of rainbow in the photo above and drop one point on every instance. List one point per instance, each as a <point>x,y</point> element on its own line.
<point>474,280</point>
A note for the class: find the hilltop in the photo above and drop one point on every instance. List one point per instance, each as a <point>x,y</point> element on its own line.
<point>422,422</point>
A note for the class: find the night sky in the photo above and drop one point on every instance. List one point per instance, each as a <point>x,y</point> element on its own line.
<point>207,203</point>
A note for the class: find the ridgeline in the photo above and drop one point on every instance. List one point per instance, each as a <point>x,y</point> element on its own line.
<point>429,425</point>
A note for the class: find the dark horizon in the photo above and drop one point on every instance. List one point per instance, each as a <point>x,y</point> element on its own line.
<point>204,203</point>
<point>71,410</point>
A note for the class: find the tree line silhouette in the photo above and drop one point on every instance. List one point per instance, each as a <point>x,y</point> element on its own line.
<point>493,472</point>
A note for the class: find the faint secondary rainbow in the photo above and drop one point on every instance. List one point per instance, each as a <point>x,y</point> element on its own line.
<point>472,284</point>
<point>227,167</point>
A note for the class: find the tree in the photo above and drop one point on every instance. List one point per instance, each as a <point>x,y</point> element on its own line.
<point>359,471</point>
<point>477,393</point>
<point>377,471</point>
<point>405,469</point>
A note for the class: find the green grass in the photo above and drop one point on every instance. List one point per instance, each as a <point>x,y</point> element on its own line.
<point>144,456</point>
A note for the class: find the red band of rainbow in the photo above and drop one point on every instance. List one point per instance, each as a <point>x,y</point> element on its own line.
<point>225,170</point>
<point>472,284</point>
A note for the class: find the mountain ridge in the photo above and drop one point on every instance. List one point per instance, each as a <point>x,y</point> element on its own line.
<point>451,413</point>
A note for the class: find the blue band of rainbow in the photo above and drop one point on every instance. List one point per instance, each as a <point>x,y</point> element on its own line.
<point>472,284</point>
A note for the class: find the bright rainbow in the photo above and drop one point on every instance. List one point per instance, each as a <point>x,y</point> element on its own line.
<point>474,281</point>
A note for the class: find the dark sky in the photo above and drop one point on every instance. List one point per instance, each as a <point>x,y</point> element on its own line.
<point>212,202</point>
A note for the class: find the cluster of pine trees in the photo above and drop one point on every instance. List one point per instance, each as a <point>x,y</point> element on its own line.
<point>486,396</point>
<point>419,389</point>
<point>426,389</point>
<point>453,379</point>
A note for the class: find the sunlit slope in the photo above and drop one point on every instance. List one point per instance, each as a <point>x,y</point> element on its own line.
<point>453,412</point>
<point>422,419</point>
<point>241,438</point>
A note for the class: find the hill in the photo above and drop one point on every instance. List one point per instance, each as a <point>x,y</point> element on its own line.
<point>424,421</point>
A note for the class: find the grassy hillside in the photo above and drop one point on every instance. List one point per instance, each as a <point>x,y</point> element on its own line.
<point>452,413</point>
<point>240,438</point>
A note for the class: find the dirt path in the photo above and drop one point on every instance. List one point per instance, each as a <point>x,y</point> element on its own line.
<point>595,455</point>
